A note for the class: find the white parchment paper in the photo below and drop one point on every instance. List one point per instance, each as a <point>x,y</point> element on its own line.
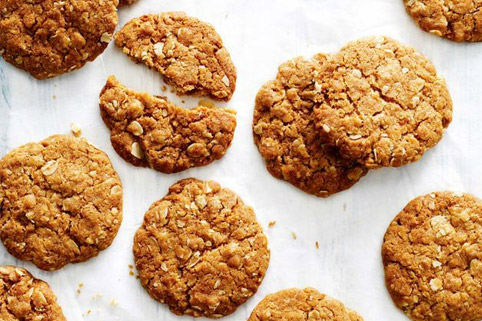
<point>349,226</point>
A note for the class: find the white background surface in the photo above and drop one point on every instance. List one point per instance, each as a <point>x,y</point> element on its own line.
<point>349,226</point>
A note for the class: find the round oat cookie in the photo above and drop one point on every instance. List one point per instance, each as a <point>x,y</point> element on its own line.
<point>201,250</point>
<point>188,53</point>
<point>457,20</point>
<point>302,305</point>
<point>23,297</point>
<point>385,103</point>
<point>432,253</point>
<point>285,134</point>
<point>49,37</point>
<point>60,202</point>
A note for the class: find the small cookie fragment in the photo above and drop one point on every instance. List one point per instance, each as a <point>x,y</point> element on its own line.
<point>60,202</point>
<point>123,3</point>
<point>385,103</point>
<point>23,297</point>
<point>285,134</point>
<point>302,305</point>
<point>49,37</point>
<point>432,254</point>
<point>152,132</point>
<point>201,250</point>
<point>457,20</point>
<point>189,53</point>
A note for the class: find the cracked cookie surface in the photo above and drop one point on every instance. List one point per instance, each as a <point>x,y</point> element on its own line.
<point>201,250</point>
<point>457,20</point>
<point>150,131</point>
<point>60,202</point>
<point>50,37</point>
<point>23,297</point>
<point>432,254</point>
<point>302,305</point>
<point>189,53</point>
<point>284,131</point>
<point>385,104</point>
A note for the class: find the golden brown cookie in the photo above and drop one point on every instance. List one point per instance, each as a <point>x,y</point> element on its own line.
<point>201,250</point>
<point>385,104</point>
<point>302,305</point>
<point>432,253</point>
<point>49,37</point>
<point>284,131</point>
<point>60,202</point>
<point>457,20</point>
<point>23,297</point>
<point>189,53</point>
<point>151,131</point>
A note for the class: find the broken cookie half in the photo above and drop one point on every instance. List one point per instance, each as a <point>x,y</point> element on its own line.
<point>188,53</point>
<point>152,132</point>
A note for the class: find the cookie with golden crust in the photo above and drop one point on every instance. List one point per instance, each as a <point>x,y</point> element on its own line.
<point>49,37</point>
<point>188,53</point>
<point>457,20</point>
<point>60,202</point>
<point>302,305</point>
<point>23,297</point>
<point>150,131</point>
<point>201,250</point>
<point>432,254</point>
<point>385,103</point>
<point>285,134</point>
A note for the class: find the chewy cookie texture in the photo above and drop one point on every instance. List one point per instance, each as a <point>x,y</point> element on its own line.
<point>302,305</point>
<point>150,131</point>
<point>200,250</point>
<point>386,104</point>
<point>284,131</point>
<point>22,297</point>
<point>60,202</point>
<point>432,253</point>
<point>457,20</point>
<point>186,51</point>
<point>49,37</point>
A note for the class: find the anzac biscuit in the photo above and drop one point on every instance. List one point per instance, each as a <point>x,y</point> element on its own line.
<point>432,253</point>
<point>201,250</point>
<point>150,131</point>
<point>23,297</point>
<point>188,52</point>
<point>385,103</point>
<point>302,305</point>
<point>60,202</point>
<point>284,131</point>
<point>457,20</point>
<point>49,37</point>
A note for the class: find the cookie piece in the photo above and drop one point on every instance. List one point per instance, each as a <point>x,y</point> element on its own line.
<point>457,20</point>
<point>385,103</point>
<point>301,305</point>
<point>49,37</point>
<point>284,131</point>
<point>201,250</point>
<point>23,297</point>
<point>188,52</point>
<point>60,202</point>
<point>123,3</point>
<point>150,131</point>
<point>432,253</point>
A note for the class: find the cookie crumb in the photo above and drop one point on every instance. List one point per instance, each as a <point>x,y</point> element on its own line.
<point>317,245</point>
<point>75,129</point>
<point>272,223</point>
<point>206,103</point>
<point>293,234</point>
<point>114,303</point>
